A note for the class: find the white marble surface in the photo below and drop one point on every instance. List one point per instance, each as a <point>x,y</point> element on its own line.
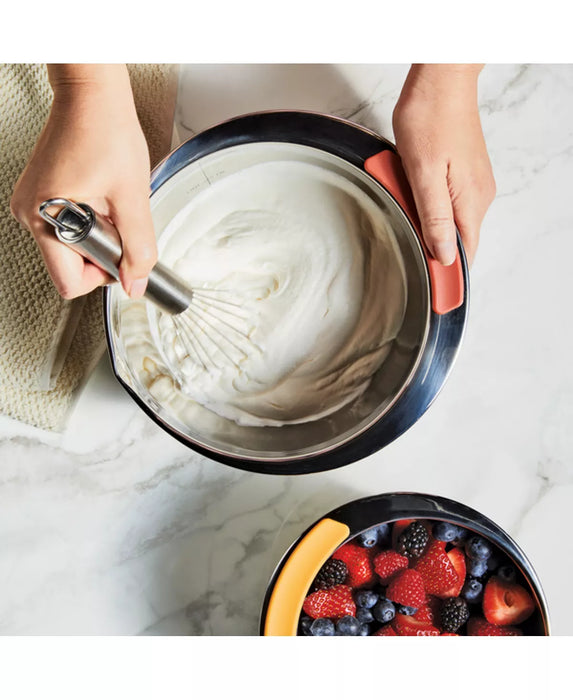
<point>115,528</point>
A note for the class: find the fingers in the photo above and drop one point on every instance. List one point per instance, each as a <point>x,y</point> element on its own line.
<point>434,205</point>
<point>132,218</point>
<point>73,276</point>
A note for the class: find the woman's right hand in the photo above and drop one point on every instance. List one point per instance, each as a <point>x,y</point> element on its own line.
<point>91,150</point>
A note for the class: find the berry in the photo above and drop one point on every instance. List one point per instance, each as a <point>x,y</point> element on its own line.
<point>472,590</point>
<point>407,588</point>
<point>348,626</point>
<point>383,533</point>
<point>368,538</point>
<point>305,623</point>
<point>322,627</point>
<point>406,626</point>
<point>364,615</point>
<point>506,603</point>
<point>398,529</point>
<point>478,627</point>
<point>446,532</point>
<point>365,598</point>
<point>458,559</point>
<point>436,569</point>
<point>477,567</point>
<point>506,573</point>
<point>357,560</point>
<point>384,611</point>
<point>454,614</point>
<point>385,631</point>
<point>364,630</point>
<point>413,540</point>
<point>478,548</point>
<point>429,612</point>
<point>333,573</point>
<point>449,634</point>
<point>406,610</point>
<point>335,602</point>
<point>387,563</point>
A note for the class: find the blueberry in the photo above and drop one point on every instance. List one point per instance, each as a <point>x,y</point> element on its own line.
<point>364,615</point>
<point>383,533</point>
<point>446,532</point>
<point>365,598</point>
<point>493,563</point>
<point>368,538</point>
<point>305,623</point>
<point>478,548</point>
<point>477,567</point>
<point>472,590</point>
<point>384,611</point>
<point>322,627</point>
<point>506,573</point>
<point>406,610</point>
<point>364,630</point>
<point>348,626</point>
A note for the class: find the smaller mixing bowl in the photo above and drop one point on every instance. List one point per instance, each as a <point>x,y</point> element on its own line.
<point>292,579</point>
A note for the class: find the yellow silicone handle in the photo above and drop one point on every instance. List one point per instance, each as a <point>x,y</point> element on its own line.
<point>298,573</point>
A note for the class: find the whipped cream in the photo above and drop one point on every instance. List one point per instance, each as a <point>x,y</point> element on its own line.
<point>300,293</point>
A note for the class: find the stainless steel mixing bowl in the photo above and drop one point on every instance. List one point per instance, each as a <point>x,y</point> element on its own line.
<point>422,354</point>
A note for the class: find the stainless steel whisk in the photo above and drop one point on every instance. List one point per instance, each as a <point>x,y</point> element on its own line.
<point>210,322</point>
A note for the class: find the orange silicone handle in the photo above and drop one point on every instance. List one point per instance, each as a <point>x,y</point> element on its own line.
<point>446,282</point>
<point>298,573</point>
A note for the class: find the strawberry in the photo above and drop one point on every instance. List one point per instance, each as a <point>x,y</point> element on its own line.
<point>408,626</point>
<point>385,631</point>
<point>332,602</point>
<point>407,588</point>
<point>478,627</point>
<point>437,570</point>
<point>429,612</point>
<point>449,634</point>
<point>506,603</point>
<point>359,564</point>
<point>387,563</point>
<point>458,559</point>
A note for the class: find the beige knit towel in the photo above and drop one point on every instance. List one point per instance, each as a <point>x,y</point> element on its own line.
<point>48,345</point>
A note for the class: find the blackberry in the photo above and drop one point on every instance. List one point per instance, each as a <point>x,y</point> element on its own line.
<point>332,573</point>
<point>454,614</point>
<point>413,540</point>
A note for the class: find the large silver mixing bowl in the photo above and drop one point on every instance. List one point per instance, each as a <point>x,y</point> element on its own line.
<point>421,355</point>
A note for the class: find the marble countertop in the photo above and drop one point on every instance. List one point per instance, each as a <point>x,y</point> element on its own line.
<point>113,527</point>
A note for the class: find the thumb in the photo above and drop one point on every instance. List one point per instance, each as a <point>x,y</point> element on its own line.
<point>132,218</point>
<point>434,205</point>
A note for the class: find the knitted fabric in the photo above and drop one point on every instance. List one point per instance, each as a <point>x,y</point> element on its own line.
<point>49,345</point>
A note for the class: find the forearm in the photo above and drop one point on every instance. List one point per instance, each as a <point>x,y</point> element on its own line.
<point>437,80</point>
<point>81,87</point>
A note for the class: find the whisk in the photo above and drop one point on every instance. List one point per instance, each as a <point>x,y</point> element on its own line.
<point>211,324</point>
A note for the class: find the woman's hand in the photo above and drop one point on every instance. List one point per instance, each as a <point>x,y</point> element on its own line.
<point>441,144</point>
<point>91,150</point>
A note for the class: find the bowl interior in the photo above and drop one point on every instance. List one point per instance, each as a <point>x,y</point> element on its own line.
<point>136,358</point>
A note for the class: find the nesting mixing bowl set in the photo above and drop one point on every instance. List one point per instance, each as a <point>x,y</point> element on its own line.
<point>400,391</point>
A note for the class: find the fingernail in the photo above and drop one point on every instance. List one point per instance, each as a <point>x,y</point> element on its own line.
<point>445,252</point>
<point>137,289</point>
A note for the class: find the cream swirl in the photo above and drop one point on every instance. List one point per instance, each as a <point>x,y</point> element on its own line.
<point>314,268</point>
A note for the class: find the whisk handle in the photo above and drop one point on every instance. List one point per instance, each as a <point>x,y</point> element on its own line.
<point>97,240</point>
